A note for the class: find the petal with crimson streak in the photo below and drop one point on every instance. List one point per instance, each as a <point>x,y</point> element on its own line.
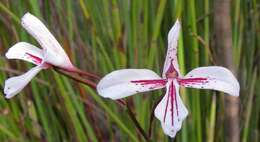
<point>212,77</point>
<point>170,112</point>
<point>126,82</point>
<point>25,51</point>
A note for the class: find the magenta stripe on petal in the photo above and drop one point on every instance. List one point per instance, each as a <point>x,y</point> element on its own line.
<point>155,82</point>
<point>35,59</point>
<point>172,91</point>
<point>193,80</point>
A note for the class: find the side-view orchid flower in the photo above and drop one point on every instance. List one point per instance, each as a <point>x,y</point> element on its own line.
<point>51,54</point>
<point>170,111</point>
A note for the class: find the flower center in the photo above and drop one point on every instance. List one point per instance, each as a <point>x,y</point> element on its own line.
<point>171,72</point>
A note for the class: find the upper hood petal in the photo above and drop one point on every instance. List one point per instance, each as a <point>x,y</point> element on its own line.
<point>122,83</point>
<point>53,52</point>
<point>15,84</point>
<point>171,55</point>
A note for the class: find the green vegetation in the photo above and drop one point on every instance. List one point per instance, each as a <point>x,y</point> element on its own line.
<point>101,36</point>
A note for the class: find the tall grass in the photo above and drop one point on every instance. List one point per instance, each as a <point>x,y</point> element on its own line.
<point>101,36</point>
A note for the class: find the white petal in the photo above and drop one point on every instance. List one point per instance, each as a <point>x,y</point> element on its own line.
<point>171,55</point>
<point>14,85</point>
<point>217,78</point>
<point>25,51</point>
<point>119,84</point>
<point>54,53</point>
<point>179,113</point>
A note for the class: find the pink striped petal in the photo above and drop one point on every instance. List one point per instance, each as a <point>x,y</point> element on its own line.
<point>213,77</point>
<point>126,82</point>
<point>53,52</point>
<point>171,110</point>
<point>14,85</point>
<point>171,55</point>
<point>25,51</point>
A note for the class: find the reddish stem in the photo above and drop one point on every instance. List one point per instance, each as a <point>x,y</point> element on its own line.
<point>84,73</point>
<point>138,126</point>
<point>76,78</point>
<point>152,115</point>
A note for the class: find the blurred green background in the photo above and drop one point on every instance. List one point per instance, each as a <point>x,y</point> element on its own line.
<point>104,35</point>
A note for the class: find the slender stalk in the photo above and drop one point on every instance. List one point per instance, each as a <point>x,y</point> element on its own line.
<point>76,78</point>
<point>152,115</point>
<point>138,126</point>
<point>84,73</point>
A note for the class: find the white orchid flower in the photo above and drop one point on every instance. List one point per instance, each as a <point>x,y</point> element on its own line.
<point>170,111</point>
<point>51,54</point>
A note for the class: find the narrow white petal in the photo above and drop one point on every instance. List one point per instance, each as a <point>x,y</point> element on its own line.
<point>213,77</point>
<point>171,55</point>
<point>15,84</point>
<point>25,51</point>
<point>54,53</point>
<point>119,84</point>
<point>171,121</point>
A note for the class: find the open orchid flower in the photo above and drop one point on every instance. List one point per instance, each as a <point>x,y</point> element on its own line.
<point>170,111</point>
<point>51,54</point>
